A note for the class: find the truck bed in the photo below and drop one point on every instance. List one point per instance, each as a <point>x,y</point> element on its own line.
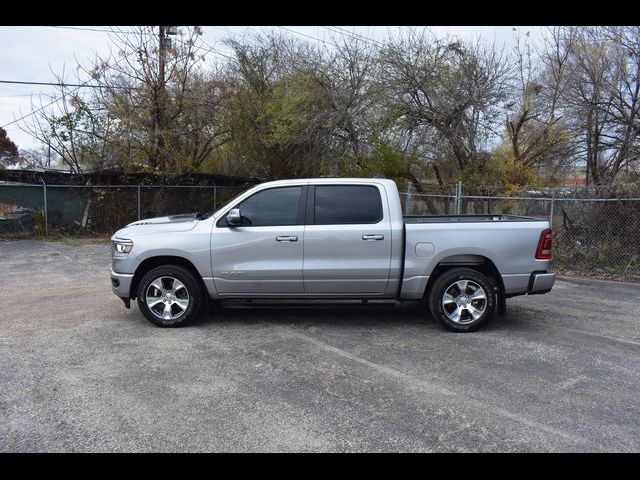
<point>466,218</point>
<point>506,242</point>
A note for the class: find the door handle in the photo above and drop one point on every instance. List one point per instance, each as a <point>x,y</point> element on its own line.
<point>287,238</point>
<point>373,236</point>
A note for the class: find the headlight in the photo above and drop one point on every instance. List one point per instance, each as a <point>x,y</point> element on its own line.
<point>121,248</point>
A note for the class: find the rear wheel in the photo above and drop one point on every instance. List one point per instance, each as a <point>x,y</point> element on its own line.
<point>169,296</point>
<point>462,299</point>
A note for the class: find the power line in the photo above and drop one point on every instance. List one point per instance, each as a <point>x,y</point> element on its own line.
<point>24,95</point>
<point>210,50</point>
<point>353,35</point>
<point>57,84</point>
<point>82,85</point>
<point>33,112</point>
<point>213,50</point>
<point>55,99</point>
<point>305,35</point>
<point>87,29</point>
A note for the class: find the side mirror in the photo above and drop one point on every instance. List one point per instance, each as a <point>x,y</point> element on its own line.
<point>233,217</point>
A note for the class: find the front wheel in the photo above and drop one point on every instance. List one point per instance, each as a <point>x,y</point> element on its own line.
<point>462,299</point>
<point>169,296</point>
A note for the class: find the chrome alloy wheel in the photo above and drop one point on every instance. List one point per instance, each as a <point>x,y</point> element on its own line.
<point>167,298</point>
<point>464,301</point>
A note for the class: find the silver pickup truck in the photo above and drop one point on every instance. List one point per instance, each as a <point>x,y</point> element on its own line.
<point>330,238</point>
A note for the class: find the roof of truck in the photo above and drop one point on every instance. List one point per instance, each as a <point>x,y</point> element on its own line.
<point>319,180</point>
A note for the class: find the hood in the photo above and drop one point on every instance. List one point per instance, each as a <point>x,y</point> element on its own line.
<point>171,223</point>
<point>182,218</point>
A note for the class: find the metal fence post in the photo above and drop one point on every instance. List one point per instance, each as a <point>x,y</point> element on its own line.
<point>553,201</point>
<point>215,197</point>
<point>407,202</point>
<point>138,201</point>
<point>458,198</point>
<point>46,215</point>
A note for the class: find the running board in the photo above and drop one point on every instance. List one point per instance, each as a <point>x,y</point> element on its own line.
<point>315,303</point>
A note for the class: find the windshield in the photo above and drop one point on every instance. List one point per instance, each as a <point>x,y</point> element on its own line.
<point>209,213</point>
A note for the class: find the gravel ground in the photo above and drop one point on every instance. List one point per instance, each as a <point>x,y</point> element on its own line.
<point>79,372</point>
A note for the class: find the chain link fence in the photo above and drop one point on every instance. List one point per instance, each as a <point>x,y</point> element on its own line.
<point>596,231</point>
<point>34,210</point>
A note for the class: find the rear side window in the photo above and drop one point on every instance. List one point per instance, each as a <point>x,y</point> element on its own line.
<point>276,206</point>
<point>347,204</point>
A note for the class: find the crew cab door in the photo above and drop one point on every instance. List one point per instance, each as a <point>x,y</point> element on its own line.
<point>263,255</point>
<point>347,245</point>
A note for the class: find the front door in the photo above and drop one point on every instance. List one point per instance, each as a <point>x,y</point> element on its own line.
<point>263,255</point>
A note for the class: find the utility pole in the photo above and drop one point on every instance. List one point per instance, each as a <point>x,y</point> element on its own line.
<point>159,100</point>
<point>164,41</point>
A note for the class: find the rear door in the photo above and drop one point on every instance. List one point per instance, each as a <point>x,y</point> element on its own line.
<point>347,245</point>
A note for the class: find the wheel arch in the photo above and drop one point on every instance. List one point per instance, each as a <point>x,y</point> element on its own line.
<point>480,263</point>
<point>158,261</point>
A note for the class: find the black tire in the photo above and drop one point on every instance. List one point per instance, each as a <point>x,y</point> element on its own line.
<point>445,284</point>
<point>191,285</point>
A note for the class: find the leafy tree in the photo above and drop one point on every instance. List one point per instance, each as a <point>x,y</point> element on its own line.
<point>8,149</point>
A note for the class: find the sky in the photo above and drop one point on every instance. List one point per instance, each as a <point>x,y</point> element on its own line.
<point>38,53</point>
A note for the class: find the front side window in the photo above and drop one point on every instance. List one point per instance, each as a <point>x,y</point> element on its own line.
<point>276,206</point>
<point>347,204</point>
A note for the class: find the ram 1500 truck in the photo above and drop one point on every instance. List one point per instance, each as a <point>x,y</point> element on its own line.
<point>330,238</point>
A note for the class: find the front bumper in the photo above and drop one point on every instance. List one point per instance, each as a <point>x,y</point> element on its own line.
<point>121,284</point>
<point>541,282</point>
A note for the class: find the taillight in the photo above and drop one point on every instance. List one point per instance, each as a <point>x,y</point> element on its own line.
<point>543,252</point>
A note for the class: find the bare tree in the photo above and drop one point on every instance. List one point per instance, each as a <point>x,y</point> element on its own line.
<point>347,97</point>
<point>537,135</point>
<point>446,90</point>
<point>602,96</point>
<point>70,127</point>
<point>149,90</point>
